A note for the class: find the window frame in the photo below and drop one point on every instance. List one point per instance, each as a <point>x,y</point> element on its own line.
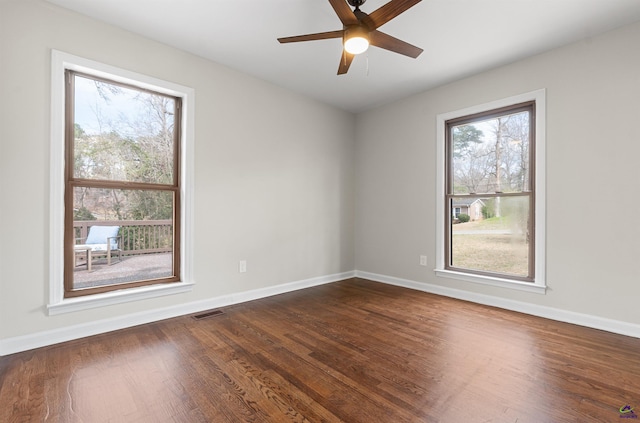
<point>72,182</point>
<point>58,301</point>
<point>537,281</point>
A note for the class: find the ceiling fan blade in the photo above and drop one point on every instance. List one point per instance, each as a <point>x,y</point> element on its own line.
<point>345,62</point>
<point>312,37</point>
<point>387,42</point>
<point>384,14</point>
<point>344,12</point>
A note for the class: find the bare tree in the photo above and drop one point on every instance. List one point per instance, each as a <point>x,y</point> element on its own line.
<point>135,144</point>
<point>491,156</point>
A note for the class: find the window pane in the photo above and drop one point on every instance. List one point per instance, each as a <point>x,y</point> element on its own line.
<point>491,155</point>
<point>140,224</point>
<point>122,134</point>
<point>494,240</point>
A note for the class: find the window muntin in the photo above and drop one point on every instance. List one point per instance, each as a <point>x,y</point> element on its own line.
<point>489,161</point>
<point>122,169</point>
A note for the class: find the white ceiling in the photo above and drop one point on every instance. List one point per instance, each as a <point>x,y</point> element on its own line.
<point>459,38</point>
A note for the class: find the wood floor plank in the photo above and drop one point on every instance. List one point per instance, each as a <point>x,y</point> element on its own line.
<point>353,351</point>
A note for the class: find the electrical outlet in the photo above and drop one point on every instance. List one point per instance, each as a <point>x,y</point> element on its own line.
<point>423,260</point>
<point>242,266</point>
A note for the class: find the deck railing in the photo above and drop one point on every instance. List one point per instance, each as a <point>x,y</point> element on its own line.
<point>138,236</point>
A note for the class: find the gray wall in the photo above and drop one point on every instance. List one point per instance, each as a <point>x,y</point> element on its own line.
<point>593,250</point>
<point>301,190</point>
<point>273,170</point>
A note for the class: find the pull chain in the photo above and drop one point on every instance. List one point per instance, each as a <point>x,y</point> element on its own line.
<point>367,64</point>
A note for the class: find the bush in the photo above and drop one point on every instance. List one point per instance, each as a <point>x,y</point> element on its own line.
<point>463,218</point>
<point>487,213</point>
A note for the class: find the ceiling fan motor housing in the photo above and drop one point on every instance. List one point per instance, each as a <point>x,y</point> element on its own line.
<point>356,3</point>
<point>355,31</point>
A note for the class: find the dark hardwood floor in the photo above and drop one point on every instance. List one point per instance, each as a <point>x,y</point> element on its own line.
<point>354,351</point>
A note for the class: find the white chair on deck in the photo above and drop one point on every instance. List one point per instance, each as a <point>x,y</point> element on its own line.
<point>102,240</point>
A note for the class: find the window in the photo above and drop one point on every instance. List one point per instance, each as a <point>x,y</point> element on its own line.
<point>491,166</point>
<point>121,190</point>
<point>122,187</point>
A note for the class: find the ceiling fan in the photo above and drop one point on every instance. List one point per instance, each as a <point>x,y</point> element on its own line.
<point>360,29</point>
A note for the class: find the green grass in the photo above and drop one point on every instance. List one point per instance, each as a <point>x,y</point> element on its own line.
<point>492,223</point>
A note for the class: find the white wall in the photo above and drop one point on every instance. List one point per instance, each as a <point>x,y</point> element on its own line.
<point>273,170</point>
<point>593,113</point>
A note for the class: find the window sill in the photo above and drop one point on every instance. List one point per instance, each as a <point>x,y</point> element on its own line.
<point>69,305</point>
<point>538,288</point>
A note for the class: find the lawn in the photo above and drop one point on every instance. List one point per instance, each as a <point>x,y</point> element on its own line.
<point>495,252</point>
<point>494,223</point>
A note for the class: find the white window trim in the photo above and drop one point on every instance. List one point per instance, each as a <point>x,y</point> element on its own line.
<point>539,283</point>
<point>61,61</point>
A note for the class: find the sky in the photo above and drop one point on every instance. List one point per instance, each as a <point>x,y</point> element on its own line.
<point>95,114</point>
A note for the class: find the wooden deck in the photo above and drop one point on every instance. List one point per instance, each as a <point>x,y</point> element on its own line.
<point>353,351</point>
<point>130,268</point>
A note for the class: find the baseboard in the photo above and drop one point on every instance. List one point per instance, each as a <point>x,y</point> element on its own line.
<point>68,333</point>
<point>55,336</point>
<point>587,320</point>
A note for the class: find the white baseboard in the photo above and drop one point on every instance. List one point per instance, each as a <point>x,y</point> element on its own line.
<point>595,322</point>
<point>50,337</point>
<point>68,333</point>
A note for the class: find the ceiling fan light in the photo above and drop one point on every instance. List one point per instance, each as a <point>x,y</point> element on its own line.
<point>356,45</point>
<point>356,40</point>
